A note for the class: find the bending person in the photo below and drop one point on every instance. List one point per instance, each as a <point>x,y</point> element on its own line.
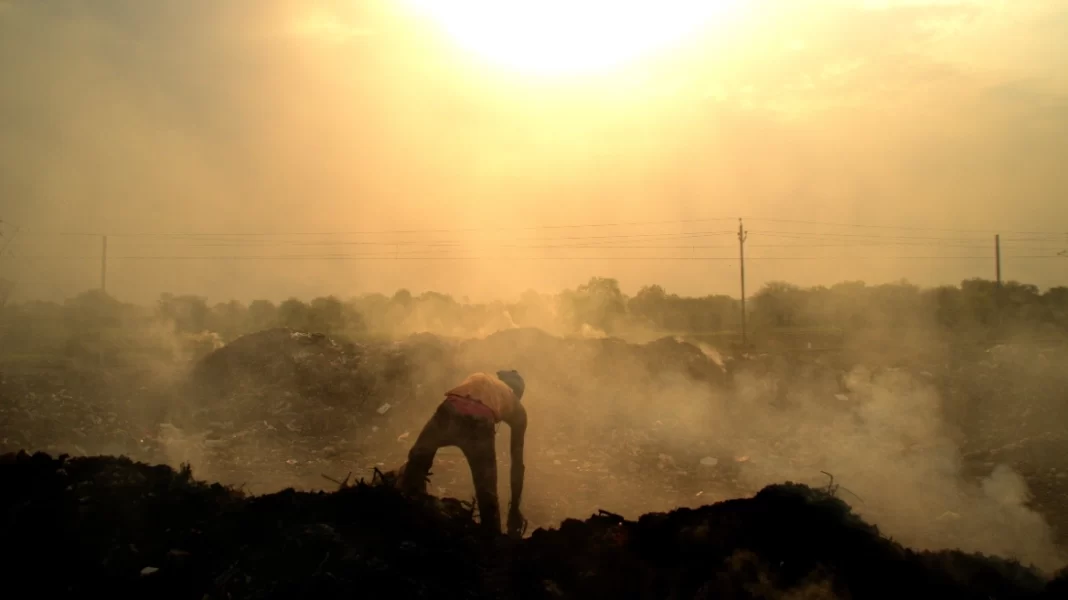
<point>467,418</point>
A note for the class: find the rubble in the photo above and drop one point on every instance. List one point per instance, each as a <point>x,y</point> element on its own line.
<point>306,383</point>
<point>276,417</point>
<point>105,525</point>
<point>316,385</point>
<point>310,365</point>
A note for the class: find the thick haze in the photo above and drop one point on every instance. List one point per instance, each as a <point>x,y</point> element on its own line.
<point>284,116</point>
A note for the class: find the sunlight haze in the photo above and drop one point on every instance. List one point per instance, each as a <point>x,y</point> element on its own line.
<point>566,37</point>
<point>268,148</point>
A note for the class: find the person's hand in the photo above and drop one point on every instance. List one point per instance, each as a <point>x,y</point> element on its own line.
<point>516,523</point>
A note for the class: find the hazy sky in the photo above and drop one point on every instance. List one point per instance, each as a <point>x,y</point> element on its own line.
<point>227,117</point>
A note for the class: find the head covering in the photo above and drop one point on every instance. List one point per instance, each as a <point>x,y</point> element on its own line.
<point>514,381</point>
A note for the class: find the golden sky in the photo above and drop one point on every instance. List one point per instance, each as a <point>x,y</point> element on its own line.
<point>899,132</point>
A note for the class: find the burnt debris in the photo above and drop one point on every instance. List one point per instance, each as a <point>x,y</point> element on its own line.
<point>105,525</point>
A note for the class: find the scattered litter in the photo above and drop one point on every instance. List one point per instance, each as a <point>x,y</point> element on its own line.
<point>709,461</point>
<point>403,436</point>
<point>384,408</point>
<point>148,570</point>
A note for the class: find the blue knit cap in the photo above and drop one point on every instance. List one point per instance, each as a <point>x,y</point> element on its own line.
<point>514,381</point>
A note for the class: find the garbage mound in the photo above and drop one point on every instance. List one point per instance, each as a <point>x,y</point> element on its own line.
<point>284,371</point>
<point>314,385</point>
<point>45,406</point>
<point>105,525</point>
<point>529,348</point>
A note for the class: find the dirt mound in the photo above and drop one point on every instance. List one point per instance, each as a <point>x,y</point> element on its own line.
<point>46,405</point>
<point>668,352</point>
<point>309,364</point>
<point>311,384</point>
<point>288,373</point>
<point>105,525</point>
<point>532,347</point>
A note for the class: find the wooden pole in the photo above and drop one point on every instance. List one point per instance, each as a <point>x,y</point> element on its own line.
<point>997,258</point>
<point>742,235</point>
<point>104,264</point>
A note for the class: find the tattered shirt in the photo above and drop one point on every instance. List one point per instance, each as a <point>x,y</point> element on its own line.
<point>489,391</point>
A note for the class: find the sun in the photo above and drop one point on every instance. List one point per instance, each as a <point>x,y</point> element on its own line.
<point>563,37</point>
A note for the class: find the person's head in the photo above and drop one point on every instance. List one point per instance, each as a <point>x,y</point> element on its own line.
<point>513,380</point>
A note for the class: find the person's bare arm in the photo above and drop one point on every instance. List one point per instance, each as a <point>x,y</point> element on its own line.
<point>518,425</point>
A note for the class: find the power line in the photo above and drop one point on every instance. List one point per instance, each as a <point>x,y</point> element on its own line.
<point>544,227</point>
<point>799,235</point>
<point>439,243</point>
<point>387,231</point>
<point>907,228</point>
<point>606,244</point>
<point>389,256</point>
<point>834,235</point>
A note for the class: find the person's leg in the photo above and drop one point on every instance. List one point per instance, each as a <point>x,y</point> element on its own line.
<point>437,433</point>
<point>481,452</point>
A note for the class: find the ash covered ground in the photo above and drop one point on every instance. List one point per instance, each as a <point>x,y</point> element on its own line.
<point>938,453</point>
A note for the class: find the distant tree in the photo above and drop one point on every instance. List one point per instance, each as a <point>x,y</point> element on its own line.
<point>436,297</point>
<point>262,314</point>
<point>532,309</point>
<point>93,310</point>
<point>1056,301</point>
<point>1023,303</point>
<point>293,314</point>
<point>326,315</point>
<point>850,303</point>
<point>1056,297</point>
<point>650,303</point>
<point>979,299</point>
<point>355,323</point>
<point>948,306</point>
<point>189,313</point>
<point>402,297</point>
<point>778,304</point>
<point>6,288</point>
<point>229,319</point>
<point>599,303</point>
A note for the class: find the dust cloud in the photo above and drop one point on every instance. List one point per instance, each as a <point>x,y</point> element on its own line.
<point>884,438</point>
<point>268,152</point>
<point>625,416</point>
<point>273,148</point>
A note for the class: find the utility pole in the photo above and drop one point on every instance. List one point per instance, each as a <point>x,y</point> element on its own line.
<point>997,258</point>
<point>9,239</point>
<point>104,264</point>
<point>742,235</point>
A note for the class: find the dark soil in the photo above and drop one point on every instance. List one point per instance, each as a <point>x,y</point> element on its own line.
<point>118,529</point>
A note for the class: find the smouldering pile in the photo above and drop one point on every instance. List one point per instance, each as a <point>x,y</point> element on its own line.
<point>101,525</point>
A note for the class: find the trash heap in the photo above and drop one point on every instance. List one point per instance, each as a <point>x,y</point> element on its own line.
<point>314,383</point>
<point>60,404</point>
<point>286,408</point>
<point>1011,386</point>
<point>104,525</point>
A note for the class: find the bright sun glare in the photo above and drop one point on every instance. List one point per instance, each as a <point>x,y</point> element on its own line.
<point>555,37</point>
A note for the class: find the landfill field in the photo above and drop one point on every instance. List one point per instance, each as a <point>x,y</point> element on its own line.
<point>964,451</point>
<point>101,525</point>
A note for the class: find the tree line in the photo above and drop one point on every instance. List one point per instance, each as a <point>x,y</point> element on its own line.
<point>598,307</point>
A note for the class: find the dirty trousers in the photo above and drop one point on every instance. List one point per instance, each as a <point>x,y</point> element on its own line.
<point>475,436</point>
